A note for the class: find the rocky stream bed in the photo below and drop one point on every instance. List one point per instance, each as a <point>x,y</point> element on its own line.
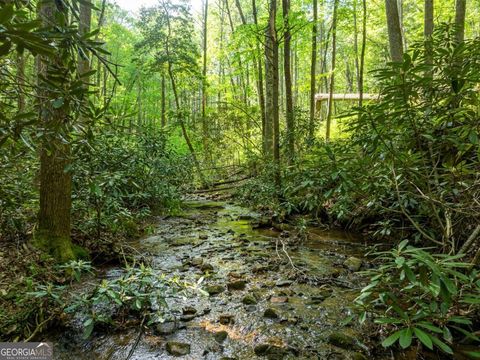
<point>262,302</point>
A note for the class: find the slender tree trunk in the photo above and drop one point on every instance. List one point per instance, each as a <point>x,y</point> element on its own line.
<point>53,232</point>
<point>240,12</point>
<point>272,83</point>
<point>394,30</point>
<point>355,44</point>
<point>287,71</point>
<point>20,61</point>
<point>428,32</point>
<point>164,110</point>
<point>332,77</point>
<point>460,11</point>
<point>83,65</point>
<point>362,55</point>
<point>261,93</point>
<point>313,74</point>
<point>269,82</point>
<point>204,82</point>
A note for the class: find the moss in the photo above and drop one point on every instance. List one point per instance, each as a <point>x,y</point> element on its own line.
<point>59,247</point>
<point>80,252</point>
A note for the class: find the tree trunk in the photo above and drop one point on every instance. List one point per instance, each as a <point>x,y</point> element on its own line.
<point>164,110</point>
<point>313,64</point>
<point>460,10</point>
<point>204,83</point>
<point>53,232</point>
<point>287,70</point>
<point>428,32</point>
<point>261,93</point>
<point>394,30</point>
<point>332,77</point>
<point>272,84</point>
<point>362,55</point>
<point>355,44</point>
<point>83,65</point>
<point>20,61</point>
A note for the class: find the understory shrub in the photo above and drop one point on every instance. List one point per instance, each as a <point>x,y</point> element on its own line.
<point>418,297</point>
<point>120,178</point>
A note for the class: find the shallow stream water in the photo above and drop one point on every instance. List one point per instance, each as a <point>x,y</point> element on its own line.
<point>291,307</point>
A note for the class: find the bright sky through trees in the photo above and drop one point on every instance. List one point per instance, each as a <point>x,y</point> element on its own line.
<point>135,5</point>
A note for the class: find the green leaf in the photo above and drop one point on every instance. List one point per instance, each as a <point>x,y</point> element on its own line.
<point>444,347</point>
<point>474,354</point>
<point>389,341</point>
<point>406,338</point>
<point>423,337</point>
<point>460,320</point>
<point>430,327</point>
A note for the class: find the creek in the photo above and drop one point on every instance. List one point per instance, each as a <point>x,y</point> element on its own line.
<point>264,302</point>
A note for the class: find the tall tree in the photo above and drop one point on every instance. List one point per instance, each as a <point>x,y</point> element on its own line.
<point>362,53</point>
<point>85,24</point>
<point>272,133</point>
<point>460,11</point>
<point>204,80</point>
<point>313,72</point>
<point>394,30</point>
<point>428,31</point>
<point>164,104</point>
<point>271,85</point>
<point>53,232</point>
<point>20,62</point>
<point>260,87</point>
<point>332,76</point>
<point>287,71</point>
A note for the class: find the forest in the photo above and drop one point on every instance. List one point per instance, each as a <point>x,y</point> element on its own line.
<point>240,179</point>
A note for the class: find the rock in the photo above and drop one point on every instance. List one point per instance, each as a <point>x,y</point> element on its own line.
<point>270,313</point>
<point>353,263</point>
<point>203,237</point>
<point>342,340</point>
<point>273,352</point>
<point>206,267</point>
<point>214,289</point>
<point>234,275</point>
<point>237,285</point>
<point>226,319</point>
<point>282,283</point>
<point>197,261</point>
<point>279,299</point>
<point>249,300</point>
<point>220,336</point>
<point>250,308</point>
<point>189,310</point>
<point>178,348</point>
<point>187,318</point>
<point>166,328</point>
